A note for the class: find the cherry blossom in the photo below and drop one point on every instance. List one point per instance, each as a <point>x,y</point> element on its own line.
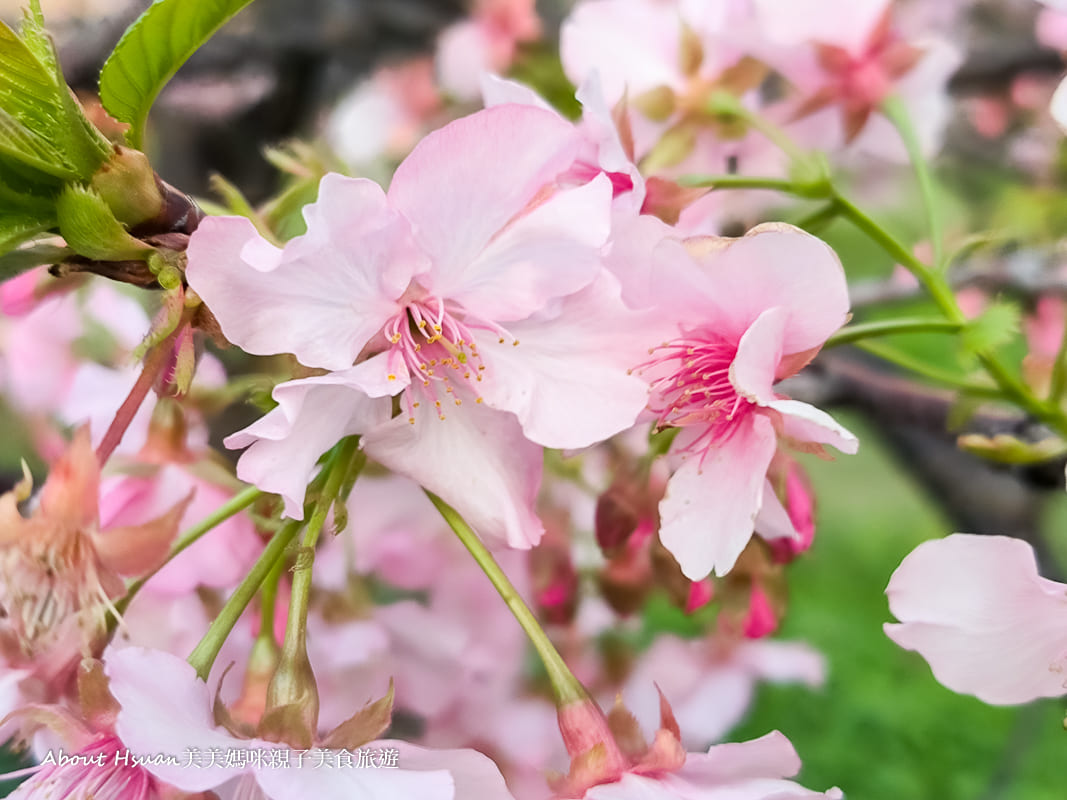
<point>166,709</point>
<point>484,306</point>
<point>612,761</point>
<point>747,313</point>
<point>59,571</point>
<point>713,681</point>
<point>976,609</point>
<point>486,42</point>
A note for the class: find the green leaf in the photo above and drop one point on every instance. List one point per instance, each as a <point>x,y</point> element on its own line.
<point>14,230</point>
<point>90,227</point>
<point>994,328</point>
<point>151,51</point>
<point>41,123</point>
<point>24,259</point>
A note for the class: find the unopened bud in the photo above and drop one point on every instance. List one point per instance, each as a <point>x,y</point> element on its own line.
<point>128,185</point>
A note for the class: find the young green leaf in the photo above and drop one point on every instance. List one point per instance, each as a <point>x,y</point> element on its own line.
<point>41,124</point>
<point>90,227</point>
<point>151,51</point>
<point>994,328</point>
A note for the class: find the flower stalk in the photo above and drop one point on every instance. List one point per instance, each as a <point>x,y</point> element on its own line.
<point>566,687</point>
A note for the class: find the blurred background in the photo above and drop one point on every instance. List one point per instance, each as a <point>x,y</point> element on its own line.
<point>881,728</point>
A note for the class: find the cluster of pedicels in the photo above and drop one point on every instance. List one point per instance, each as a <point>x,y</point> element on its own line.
<point>527,288</point>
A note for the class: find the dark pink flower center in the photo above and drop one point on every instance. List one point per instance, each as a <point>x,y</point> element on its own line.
<point>101,771</point>
<point>691,387</point>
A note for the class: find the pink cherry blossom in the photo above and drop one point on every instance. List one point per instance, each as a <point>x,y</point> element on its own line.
<point>610,760</point>
<point>753,770</point>
<point>166,709</point>
<point>486,42</point>
<point>747,312</point>
<point>851,56</point>
<point>384,116</point>
<point>483,304</point>
<point>96,771</point>
<point>976,609</point>
<point>712,682</point>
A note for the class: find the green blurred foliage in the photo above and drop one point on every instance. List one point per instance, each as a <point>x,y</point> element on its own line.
<point>883,728</point>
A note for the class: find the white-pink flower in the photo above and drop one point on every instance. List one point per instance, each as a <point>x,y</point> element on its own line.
<point>977,610</point>
<point>476,288</point>
<point>712,682</point>
<point>166,709</point>
<point>746,313</point>
<point>755,770</point>
<point>485,42</point>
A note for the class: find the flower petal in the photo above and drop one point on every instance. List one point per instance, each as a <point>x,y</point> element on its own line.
<point>633,44</point>
<point>463,183</point>
<point>476,460</point>
<point>297,783</point>
<point>708,513</point>
<point>476,776</point>
<point>758,353</point>
<point>777,265</point>
<point>976,609</point>
<point>773,521</point>
<point>806,423</point>
<point>326,294</point>
<point>551,251</point>
<point>566,379</point>
<point>312,415</point>
<point>166,710</point>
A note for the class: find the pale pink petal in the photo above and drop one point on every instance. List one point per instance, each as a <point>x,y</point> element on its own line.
<point>708,513</point>
<point>777,265</point>
<point>551,251</point>
<point>806,423</point>
<point>95,393</point>
<point>326,294</point>
<point>633,44</point>
<point>498,91</point>
<point>770,756</point>
<point>362,126</point>
<point>476,777</point>
<point>976,609</point>
<point>842,23</point>
<point>598,125</point>
<point>476,460</point>
<point>774,521</point>
<point>758,353</point>
<point>924,92</point>
<point>630,259</point>
<point>638,787</point>
<point>337,783</point>
<point>166,709</point>
<point>464,55</point>
<point>1050,30</point>
<point>312,415</point>
<point>708,697</point>
<point>463,183</point>
<point>566,379</point>
<point>1059,105</point>
<point>783,662</point>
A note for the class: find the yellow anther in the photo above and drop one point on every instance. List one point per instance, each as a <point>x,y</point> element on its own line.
<point>391,377</point>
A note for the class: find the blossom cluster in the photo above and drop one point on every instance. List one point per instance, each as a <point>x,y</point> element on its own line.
<point>513,353</point>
